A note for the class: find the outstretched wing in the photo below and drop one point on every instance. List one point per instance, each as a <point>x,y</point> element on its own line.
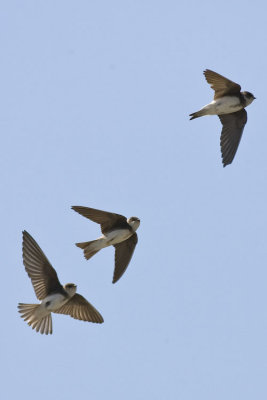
<point>123,254</point>
<point>233,126</point>
<point>79,308</point>
<point>221,85</point>
<point>43,276</point>
<point>106,219</point>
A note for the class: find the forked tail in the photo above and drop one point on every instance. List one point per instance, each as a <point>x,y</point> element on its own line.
<point>35,318</point>
<point>196,114</point>
<point>89,248</point>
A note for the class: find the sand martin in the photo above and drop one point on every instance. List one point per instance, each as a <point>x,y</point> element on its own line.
<point>117,231</point>
<point>54,297</point>
<point>229,103</point>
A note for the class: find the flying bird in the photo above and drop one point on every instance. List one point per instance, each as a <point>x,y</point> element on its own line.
<point>229,104</point>
<point>117,231</point>
<point>53,296</point>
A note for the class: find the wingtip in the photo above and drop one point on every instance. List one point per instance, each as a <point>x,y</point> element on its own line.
<point>26,235</point>
<point>76,208</point>
<point>98,319</point>
<point>225,163</point>
<point>115,279</point>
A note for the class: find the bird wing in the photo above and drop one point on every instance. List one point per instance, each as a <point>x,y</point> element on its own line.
<point>79,308</point>
<point>123,254</point>
<point>43,276</point>
<point>221,85</point>
<point>107,220</point>
<point>233,126</point>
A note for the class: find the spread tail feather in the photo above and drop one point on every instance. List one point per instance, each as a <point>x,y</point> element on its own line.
<point>89,248</point>
<point>35,319</point>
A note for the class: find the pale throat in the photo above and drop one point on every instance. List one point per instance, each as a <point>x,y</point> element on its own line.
<point>134,224</point>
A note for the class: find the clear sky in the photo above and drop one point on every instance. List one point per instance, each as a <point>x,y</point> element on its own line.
<point>95,98</point>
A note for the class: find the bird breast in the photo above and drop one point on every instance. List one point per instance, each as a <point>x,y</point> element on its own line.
<point>134,224</point>
<point>54,301</point>
<point>227,105</point>
<point>116,236</point>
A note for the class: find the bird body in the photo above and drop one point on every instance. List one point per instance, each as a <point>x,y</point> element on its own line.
<point>113,237</point>
<point>224,105</point>
<point>110,239</point>
<point>52,295</point>
<point>229,103</point>
<point>117,231</point>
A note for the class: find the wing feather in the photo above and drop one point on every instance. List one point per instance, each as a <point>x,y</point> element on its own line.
<point>221,85</point>
<point>233,127</point>
<point>79,308</point>
<point>107,220</point>
<point>123,254</point>
<point>43,276</point>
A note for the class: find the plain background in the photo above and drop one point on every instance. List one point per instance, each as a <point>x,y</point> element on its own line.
<point>94,105</point>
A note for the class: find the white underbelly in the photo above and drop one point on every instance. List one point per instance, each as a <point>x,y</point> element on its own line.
<point>227,105</point>
<point>224,105</point>
<point>117,236</point>
<point>54,301</point>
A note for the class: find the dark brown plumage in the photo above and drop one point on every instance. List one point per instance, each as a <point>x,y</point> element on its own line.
<point>53,296</point>
<point>110,222</point>
<point>227,98</point>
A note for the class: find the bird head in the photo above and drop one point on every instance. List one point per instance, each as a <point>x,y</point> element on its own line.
<point>249,97</point>
<point>134,222</point>
<point>70,289</point>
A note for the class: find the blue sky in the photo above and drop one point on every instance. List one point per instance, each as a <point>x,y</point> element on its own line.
<point>94,112</point>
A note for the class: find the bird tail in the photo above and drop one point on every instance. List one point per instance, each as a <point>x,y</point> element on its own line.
<point>33,315</point>
<point>89,248</point>
<point>197,114</point>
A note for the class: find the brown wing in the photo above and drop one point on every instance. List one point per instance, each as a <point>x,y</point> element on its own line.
<point>233,126</point>
<point>106,219</point>
<point>79,308</point>
<point>43,276</point>
<point>123,255</point>
<point>221,85</point>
